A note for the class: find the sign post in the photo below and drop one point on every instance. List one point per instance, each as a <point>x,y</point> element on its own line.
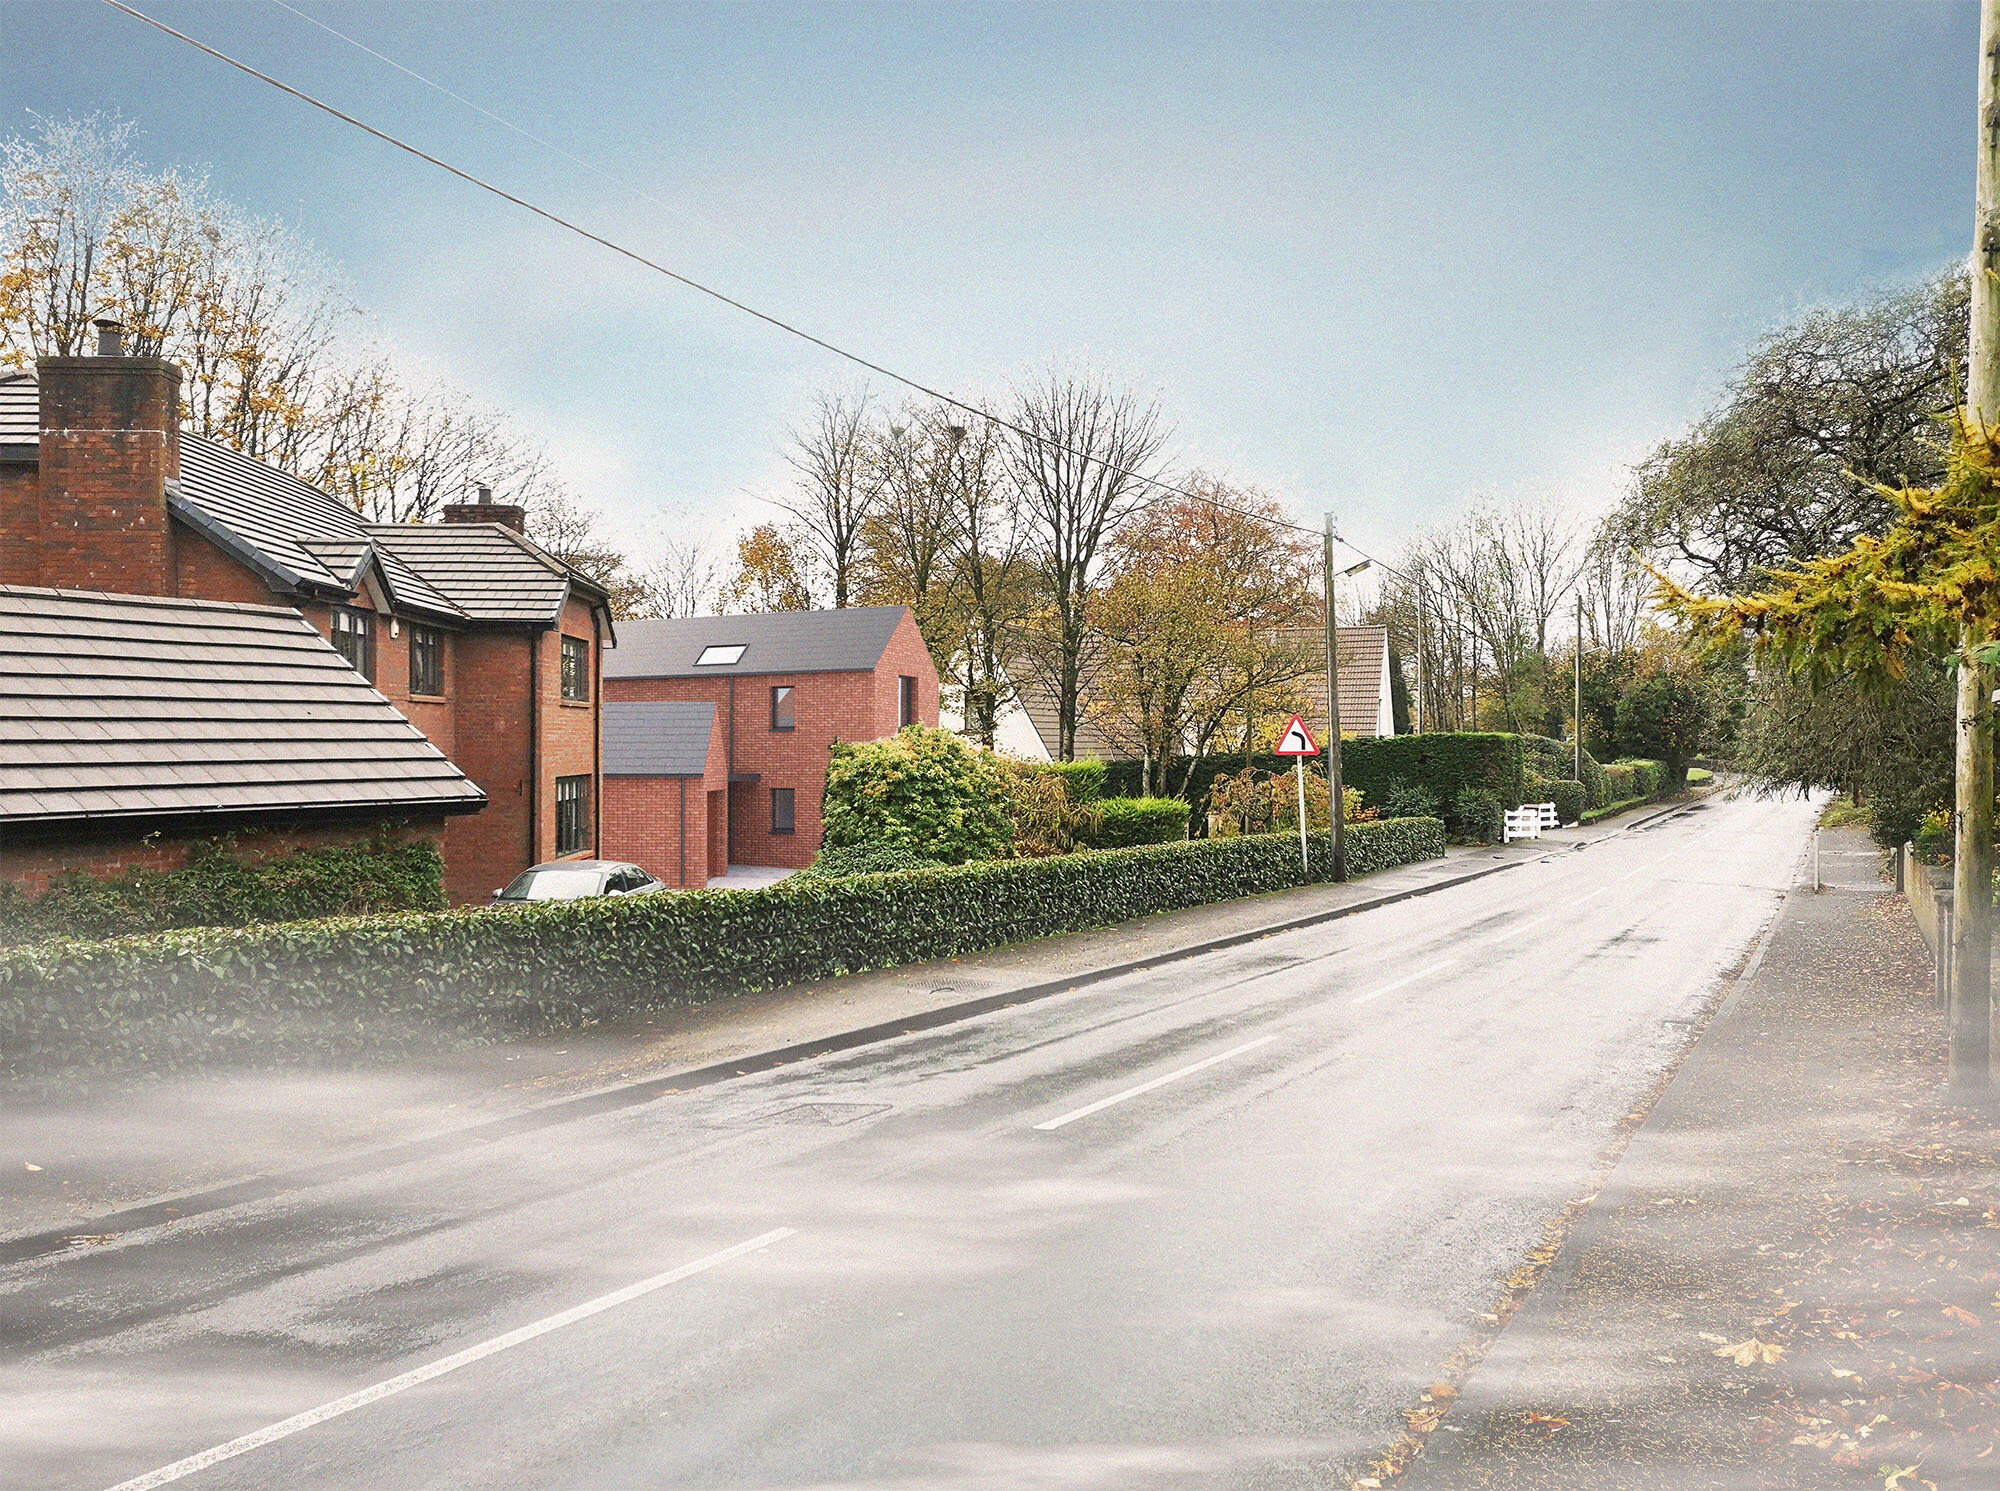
<point>1298,743</point>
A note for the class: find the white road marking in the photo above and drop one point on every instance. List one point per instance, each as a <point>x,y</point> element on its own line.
<point>466,1358</point>
<point>1132,1092</point>
<point>1408,978</point>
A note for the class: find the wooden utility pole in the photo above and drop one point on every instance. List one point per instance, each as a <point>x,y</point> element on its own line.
<point>1579,686</point>
<point>1972,849</point>
<point>1335,805</point>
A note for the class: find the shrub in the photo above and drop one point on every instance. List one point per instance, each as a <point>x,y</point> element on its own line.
<point>340,987</point>
<point>922,790</point>
<point>1045,818</point>
<point>1933,842</point>
<point>866,859</point>
<point>1558,760</point>
<point>1084,779</point>
<point>1124,821</point>
<point>1409,800</point>
<point>1475,815</point>
<point>1569,798</point>
<point>1699,776</point>
<point>218,887</point>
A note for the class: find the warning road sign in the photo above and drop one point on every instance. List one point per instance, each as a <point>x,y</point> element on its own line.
<point>1297,740</point>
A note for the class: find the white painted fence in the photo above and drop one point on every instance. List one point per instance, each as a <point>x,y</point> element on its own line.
<point>1522,823</point>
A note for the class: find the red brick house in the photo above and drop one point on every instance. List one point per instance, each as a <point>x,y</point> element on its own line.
<point>666,790</point>
<point>782,688</point>
<point>488,645</point>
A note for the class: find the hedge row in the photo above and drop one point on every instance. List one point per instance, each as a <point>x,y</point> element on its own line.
<point>340,987</point>
<point>218,887</point>
<point>1125,821</point>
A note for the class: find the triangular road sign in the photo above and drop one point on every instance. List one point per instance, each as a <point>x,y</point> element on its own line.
<point>1297,740</point>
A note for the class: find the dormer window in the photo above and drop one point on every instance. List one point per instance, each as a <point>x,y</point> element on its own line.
<point>721,655</point>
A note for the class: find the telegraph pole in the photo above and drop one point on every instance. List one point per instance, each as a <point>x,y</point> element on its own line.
<point>1333,713</point>
<point>1579,686</point>
<point>1972,856</point>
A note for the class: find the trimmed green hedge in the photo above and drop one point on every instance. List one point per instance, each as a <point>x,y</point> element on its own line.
<point>1124,821</point>
<point>1084,780</point>
<point>1558,759</point>
<point>218,887</point>
<point>1569,798</point>
<point>342,987</point>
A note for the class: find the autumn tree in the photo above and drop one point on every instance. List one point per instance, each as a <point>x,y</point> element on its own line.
<point>1203,606</point>
<point>773,572</point>
<point>1083,460</point>
<point>909,541</point>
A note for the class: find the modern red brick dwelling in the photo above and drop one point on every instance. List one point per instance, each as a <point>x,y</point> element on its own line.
<point>784,687</point>
<point>666,790</point>
<point>133,726</point>
<point>490,646</point>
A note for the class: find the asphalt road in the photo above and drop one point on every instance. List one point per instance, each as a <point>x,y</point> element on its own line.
<point>1211,1225</point>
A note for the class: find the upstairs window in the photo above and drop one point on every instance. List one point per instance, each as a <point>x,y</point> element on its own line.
<point>721,655</point>
<point>576,670</point>
<point>570,835</point>
<point>906,700</point>
<point>426,660</point>
<point>784,716</point>
<point>354,639</point>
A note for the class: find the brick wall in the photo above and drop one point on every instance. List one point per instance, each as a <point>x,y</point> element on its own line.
<point>110,441</point>
<point>20,523</point>
<point>643,820</point>
<point>491,721</point>
<point>905,656</point>
<point>570,745</point>
<point>33,866</point>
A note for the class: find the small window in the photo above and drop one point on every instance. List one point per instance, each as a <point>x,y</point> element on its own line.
<point>906,700</point>
<point>782,821</point>
<point>354,639</point>
<point>426,660</point>
<point>570,836</point>
<point>720,656</point>
<point>576,670</point>
<point>783,715</point>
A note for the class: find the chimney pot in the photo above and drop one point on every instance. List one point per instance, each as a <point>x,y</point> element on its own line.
<point>485,494</point>
<point>110,337</point>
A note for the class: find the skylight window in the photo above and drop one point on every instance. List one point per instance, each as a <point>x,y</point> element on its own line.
<point>720,656</point>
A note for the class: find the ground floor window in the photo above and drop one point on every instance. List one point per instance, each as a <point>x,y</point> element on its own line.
<point>782,821</point>
<point>570,819</point>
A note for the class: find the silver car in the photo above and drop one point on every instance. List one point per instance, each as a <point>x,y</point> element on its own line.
<point>576,880</point>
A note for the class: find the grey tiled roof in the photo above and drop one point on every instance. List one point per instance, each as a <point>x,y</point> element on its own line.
<point>277,515</point>
<point>849,641</point>
<point>133,707</point>
<point>657,739</point>
<point>485,569</point>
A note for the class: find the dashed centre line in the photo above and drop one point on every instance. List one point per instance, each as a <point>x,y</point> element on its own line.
<point>1404,981</point>
<point>1132,1092</point>
<point>284,1428</point>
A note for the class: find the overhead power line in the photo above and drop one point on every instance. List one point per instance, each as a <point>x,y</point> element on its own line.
<point>568,225</point>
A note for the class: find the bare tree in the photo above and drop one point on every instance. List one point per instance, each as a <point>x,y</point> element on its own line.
<point>995,575</point>
<point>1083,465</point>
<point>836,456</point>
<point>685,580</point>
<point>908,542</point>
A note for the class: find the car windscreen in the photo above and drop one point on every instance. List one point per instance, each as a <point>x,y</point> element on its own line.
<point>554,885</point>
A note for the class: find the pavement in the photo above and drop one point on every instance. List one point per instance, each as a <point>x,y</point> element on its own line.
<point>1219,1220</point>
<point>1792,1277</point>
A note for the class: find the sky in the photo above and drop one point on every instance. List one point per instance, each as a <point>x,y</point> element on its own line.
<point>1378,260</point>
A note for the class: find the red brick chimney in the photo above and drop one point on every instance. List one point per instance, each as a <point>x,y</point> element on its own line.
<point>110,443</point>
<point>486,510</point>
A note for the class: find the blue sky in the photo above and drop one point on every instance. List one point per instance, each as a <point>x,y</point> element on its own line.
<point>1375,258</point>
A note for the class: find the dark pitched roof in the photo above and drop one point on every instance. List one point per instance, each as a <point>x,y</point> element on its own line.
<point>486,570</point>
<point>849,641</point>
<point>299,538</point>
<point>137,707</point>
<point>657,739</point>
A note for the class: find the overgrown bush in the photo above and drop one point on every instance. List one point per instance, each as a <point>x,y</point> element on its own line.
<point>337,988</point>
<point>1475,815</point>
<point>220,886</point>
<point>1123,821</point>
<point>1558,760</point>
<point>1409,800</point>
<point>866,859</point>
<point>1084,779</point>
<point>1046,818</point>
<point>922,790</point>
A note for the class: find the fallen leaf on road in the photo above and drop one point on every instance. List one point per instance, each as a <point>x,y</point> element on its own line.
<point>1964,1315</point>
<point>1748,1353</point>
<point>31,1165</point>
<point>1551,1421</point>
